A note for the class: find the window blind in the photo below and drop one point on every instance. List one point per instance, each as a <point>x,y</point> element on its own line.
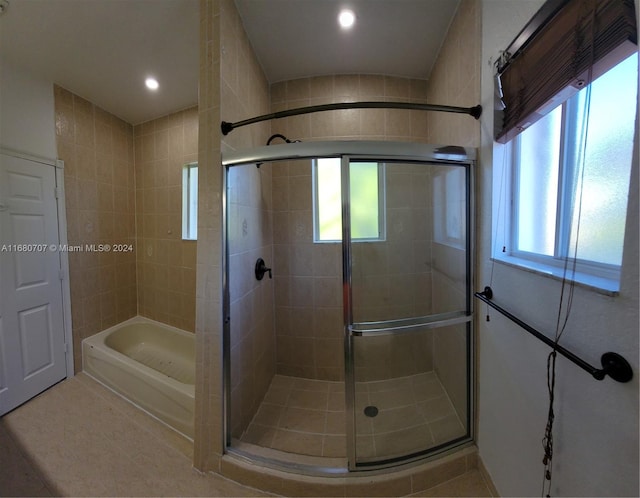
<point>581,40</point>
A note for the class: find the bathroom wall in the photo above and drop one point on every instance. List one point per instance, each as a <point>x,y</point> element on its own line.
<point>596,423</point>
<point>308,276</point>
<point>166,263</point>
<point>232,87</point>
<point>97,150</point>
<point>27,117</point>
<point>245,93</point>
<point>455,80</point>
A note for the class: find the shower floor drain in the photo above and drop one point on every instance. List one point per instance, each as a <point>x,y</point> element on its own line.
<point>371,411</point>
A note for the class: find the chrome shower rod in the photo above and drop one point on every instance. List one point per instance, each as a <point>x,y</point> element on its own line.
<point>475,111</point>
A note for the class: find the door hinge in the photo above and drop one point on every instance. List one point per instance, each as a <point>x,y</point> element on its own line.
<point>56,191</point>
<point>66,347</point>
<point>61,274</point>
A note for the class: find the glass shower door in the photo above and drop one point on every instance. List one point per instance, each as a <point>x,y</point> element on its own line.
<point>408,312</point>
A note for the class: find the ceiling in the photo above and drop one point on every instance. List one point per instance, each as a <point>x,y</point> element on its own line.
<point>298,38</point>
<point>103,50</point>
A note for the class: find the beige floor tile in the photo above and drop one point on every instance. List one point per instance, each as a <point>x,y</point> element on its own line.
<point>336,402</point>
<point>336,424</point>
<point>260,435</point>
<point>413,411</point>
<point>401,442</point>
<point>301,443</point>
<point>79,439</point>
<point>334,446</point>
<point>312,400</point>
<point>446,429</point>
<point>268,415</point>
<point>469,484</point>
<point>311,385</point>
<point>19,476</point>
<point>302,420</point>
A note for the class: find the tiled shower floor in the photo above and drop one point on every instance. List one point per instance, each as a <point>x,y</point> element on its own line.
<point>307,417</point>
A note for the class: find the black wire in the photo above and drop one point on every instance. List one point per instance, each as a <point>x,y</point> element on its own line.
<point>551,359</point>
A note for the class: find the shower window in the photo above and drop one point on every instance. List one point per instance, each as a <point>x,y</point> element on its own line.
<point>190,202</point>
<point>367,200</point>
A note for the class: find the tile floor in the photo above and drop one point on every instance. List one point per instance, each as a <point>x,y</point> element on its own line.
<point>80,439</point>
<point>308,417</point>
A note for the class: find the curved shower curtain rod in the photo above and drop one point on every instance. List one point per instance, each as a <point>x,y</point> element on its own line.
<point>474,111</point>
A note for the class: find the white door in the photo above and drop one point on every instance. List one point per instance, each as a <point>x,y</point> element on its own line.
<point>32,344</point>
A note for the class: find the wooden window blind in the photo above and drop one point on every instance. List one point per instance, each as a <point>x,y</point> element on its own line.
<point>579,42</point>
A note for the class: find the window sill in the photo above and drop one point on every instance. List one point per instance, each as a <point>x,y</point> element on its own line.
<point>601,285</point>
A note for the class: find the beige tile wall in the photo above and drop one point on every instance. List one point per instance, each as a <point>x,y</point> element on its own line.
<point>97,149</point>
<point>308,275</point>
<point>208,422</point>
<point>455,80</point>
<point>166,264</point>
<point>232,87</point>
<point>245,93</point>
<point>252,336</point>
<point>370,124</point>
<point>308,281</point>
<point>225,93</point>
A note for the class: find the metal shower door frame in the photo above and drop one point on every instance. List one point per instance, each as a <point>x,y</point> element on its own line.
<point>397,152</point>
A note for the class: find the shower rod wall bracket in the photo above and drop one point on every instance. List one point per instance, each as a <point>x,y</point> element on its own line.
<point>475,111</point>
<point>613,364</point>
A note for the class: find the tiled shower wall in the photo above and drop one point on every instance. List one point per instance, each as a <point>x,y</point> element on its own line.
<point>455,80</point>
<point>245,93</point>
<point>217,51</point>
<point>166,264</point>
<point>308,276</point>
<point>97,150</point>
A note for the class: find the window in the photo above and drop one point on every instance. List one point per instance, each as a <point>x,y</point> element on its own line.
<point>449,202</point>
<point>366,201</point>
<point>190,202</point>
<point>575,163</point>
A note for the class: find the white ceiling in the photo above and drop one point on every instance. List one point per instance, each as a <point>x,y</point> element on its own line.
<point>102,50</point>
<point>298,38</point>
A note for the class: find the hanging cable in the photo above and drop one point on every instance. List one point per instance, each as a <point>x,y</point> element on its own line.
<point>561,323</point>
<point>502,192</point>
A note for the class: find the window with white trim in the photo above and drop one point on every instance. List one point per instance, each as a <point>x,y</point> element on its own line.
<point>366,181</point>
<point>569,181</point>
<point>190,201</point>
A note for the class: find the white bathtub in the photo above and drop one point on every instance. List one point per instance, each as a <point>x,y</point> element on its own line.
<point>150,364</point>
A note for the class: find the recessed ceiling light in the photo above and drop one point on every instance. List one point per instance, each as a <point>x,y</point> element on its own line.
<point>346,18</point>
<point>152,83</point>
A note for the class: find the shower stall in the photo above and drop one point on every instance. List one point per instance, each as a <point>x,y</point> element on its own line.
<point>348,341</point>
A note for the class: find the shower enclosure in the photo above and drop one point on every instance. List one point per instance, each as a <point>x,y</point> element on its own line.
<point>347,301</point>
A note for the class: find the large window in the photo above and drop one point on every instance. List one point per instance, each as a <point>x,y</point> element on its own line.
<point>570,180</point>
<point>366,181</point>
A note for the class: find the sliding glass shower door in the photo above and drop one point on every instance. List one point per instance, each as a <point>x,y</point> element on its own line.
<point>354,350</point>
<point>408,310</point>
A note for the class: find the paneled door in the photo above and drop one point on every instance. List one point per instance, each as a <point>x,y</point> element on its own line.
<point>32,340</point>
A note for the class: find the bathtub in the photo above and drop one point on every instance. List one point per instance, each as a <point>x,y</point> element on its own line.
<point>151,364</point>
